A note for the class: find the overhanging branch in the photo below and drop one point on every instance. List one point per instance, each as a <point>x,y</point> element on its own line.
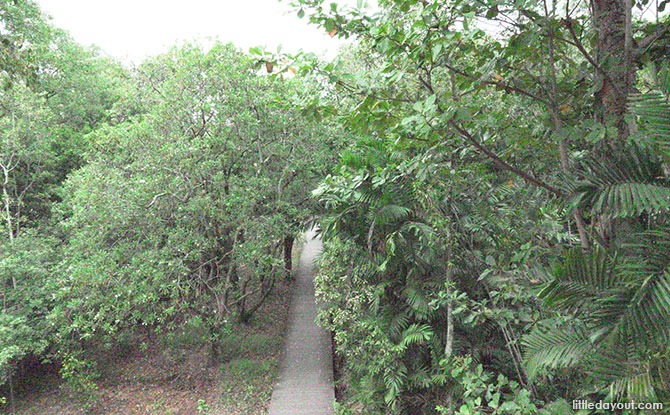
<point>502,163</point>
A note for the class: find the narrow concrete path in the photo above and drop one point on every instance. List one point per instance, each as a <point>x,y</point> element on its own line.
<point>305,385</point>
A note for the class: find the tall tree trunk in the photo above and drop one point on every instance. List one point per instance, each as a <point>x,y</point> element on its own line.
<point>616,73</point>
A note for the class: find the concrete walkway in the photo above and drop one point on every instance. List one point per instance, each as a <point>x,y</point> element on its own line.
<point>305,383</point>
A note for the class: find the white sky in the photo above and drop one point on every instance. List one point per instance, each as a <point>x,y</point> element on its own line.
<point>133,29</point>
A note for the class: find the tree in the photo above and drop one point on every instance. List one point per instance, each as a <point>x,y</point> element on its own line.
<point>23,38</point>
<point>185,206</point>
<point>25,157</point>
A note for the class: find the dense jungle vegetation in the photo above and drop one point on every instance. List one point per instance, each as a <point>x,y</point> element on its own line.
<point>491,178</point>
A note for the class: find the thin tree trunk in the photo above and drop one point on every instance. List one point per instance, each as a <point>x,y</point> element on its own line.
<point>557,124</point>
<point>449,343</point>
<point>8,212</point>
<point>288,254</point>
<point>12,401</point>
<point>5,195</point>
<point>565,167</point>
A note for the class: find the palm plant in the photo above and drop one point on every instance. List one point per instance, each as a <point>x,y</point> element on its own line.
<point>375,207</point>
<point>620,326</point>
<point>617,298</point>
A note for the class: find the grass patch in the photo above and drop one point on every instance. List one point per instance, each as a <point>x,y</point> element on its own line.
<point>245,385</point>
<point>249,345</point>
<point>243,369</point>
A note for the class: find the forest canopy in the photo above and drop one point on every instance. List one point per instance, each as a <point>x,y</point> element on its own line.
<point>493,204</point>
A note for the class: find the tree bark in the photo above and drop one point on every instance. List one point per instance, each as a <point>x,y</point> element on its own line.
<point>288,251</point>
<point>613,55</point>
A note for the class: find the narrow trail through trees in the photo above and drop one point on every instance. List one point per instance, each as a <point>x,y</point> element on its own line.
<point>305,384</point>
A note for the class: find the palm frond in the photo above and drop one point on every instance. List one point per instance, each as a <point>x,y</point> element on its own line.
<point>418,302</point>
<point>648,314</point>
<point>640,386</point>
<point>561,347</point>
<point>654,111</point>
<point>653,107</point>
<point>394,380</point>
<point>397,323</point>
<point>651,254</point>
<point>623,200</point>
<point>416,333</point>
<point>640,309</point>
<point>629,184</point>
<point>625,314</point>
<point>620,372</point>
<point>391,213</point>
<point>581,278</point>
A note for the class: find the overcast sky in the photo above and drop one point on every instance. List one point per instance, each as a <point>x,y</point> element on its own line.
<point>133,29</point>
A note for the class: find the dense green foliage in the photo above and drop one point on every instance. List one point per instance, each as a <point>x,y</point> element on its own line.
<point>495,238</point>
<point>43,120</point>
<point>496,231</point>
<point>182,210</point>
<point>140,201</point>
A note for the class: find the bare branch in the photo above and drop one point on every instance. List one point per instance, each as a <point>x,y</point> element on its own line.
<point>647,41</point>
<point>578,44</point>
<point>507,87</point>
